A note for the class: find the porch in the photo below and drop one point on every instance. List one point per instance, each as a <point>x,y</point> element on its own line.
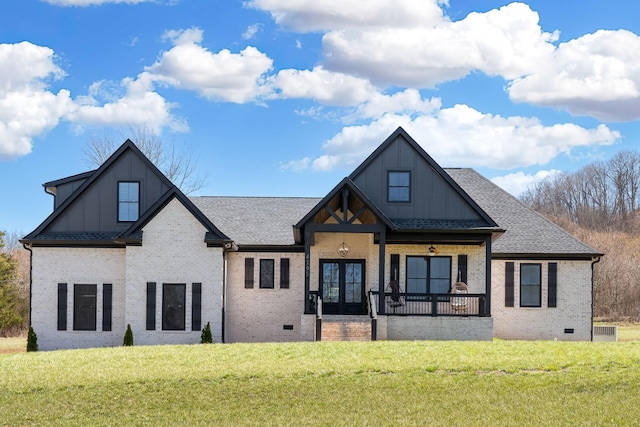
<point>409,317</point>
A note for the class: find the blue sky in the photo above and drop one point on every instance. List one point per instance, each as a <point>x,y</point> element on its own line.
<point>286,97</point>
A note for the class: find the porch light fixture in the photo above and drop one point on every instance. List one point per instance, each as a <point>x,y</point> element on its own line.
<point>433,251</point>
<point>343,249</point>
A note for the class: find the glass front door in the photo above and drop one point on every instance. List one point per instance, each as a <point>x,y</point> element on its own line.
<point>342,287</point>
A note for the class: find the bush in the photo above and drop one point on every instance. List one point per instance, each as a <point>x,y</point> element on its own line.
<point>128,337</point>
<point>32,340</point>
<point>206,337</point>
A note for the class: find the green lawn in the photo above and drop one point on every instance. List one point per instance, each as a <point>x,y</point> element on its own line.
<point>329,384</point>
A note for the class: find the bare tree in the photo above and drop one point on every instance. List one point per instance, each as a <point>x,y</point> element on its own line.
<point>602,195</point>
<point>178,164</point>
<point>600,204</point>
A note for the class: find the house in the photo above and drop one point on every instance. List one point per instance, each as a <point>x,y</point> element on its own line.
<point>401,249</point>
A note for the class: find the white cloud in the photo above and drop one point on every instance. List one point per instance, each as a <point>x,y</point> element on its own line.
<point>408,102</point>
<point>317,15</point>
<point>518,182</point>
<point>507,42</point>
<point>251,31</point>
<point>462,136</point>
<point>423,44</point>
<point>221,76</point>
<point>296,165</point>
<point>105,106</point>
<point>27,108</point>
<point>324,86</point>
<point>597,75</point>
<point>414,44</point>
<point>182,37</point>
<point>343,90</point>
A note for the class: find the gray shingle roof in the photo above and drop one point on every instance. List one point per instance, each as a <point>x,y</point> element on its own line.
<point>270,220</point>
<point>256,220</point>
<point>527,232</point>
<point>439,224</point>
<point>73,235</point>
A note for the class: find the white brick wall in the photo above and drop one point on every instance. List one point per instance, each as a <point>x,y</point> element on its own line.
<point>51,266</point>
<point>475,262</point>
<point>360,247</point>
<point>259,315</point>
<point>173,251</point>
<point>573,309</point>
<point>438,328</point>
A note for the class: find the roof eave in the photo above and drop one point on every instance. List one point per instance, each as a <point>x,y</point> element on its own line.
<point>539,256</point>
<point>72,243</point>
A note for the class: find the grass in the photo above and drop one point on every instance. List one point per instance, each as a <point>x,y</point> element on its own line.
<point>628,332</point>
<point>374,383</point>
<point>13,345</point>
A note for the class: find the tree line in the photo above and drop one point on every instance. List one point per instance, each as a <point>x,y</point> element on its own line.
<point>14,287</point>
<point>600,205</point>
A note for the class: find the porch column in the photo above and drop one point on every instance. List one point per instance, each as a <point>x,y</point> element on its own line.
<point>307,270</point>
<point>488,276</point>
<point>381,262</point>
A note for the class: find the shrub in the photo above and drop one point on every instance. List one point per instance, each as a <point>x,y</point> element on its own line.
<point>128,337</point>
<point>206,337</point>
<point>32,340</point>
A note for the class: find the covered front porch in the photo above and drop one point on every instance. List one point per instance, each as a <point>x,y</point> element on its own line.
<point>359,262</point>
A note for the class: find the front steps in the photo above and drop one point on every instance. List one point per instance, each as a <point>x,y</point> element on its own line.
<point>346,328</point>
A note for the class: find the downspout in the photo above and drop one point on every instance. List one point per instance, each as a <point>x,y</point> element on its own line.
<point>594,261</point>
<point>224,292</point>
<point>27,246</point>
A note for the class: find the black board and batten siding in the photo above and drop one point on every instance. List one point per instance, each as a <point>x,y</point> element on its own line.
<point>95,210</point>
<point>431,195</point>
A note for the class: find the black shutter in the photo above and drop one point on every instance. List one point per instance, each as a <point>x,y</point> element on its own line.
<point>284,273</point>
<point>462,268</point>
<point>196,306</point>
<point>107,290</point>
<point>151,306</point>
<point>248,273</point>
<point>508,284</point>
<point>553,285</point>
<point>394,272</point>
<point>62,306</point>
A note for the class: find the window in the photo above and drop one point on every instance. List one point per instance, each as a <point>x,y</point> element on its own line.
<point>128,201</point>
<point>196,306</point>
<point>530,279</point>
<point>173,302</point>
<point>248,273</point>
<point>84,307</point>
<point>509,274</point>
<point>107,297</point>
<point>284,273</point>
<point>428,275</point>
<point>399,187</point>
<point>266,273</point>
<point>151,306</point>
<point>62,306</point>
